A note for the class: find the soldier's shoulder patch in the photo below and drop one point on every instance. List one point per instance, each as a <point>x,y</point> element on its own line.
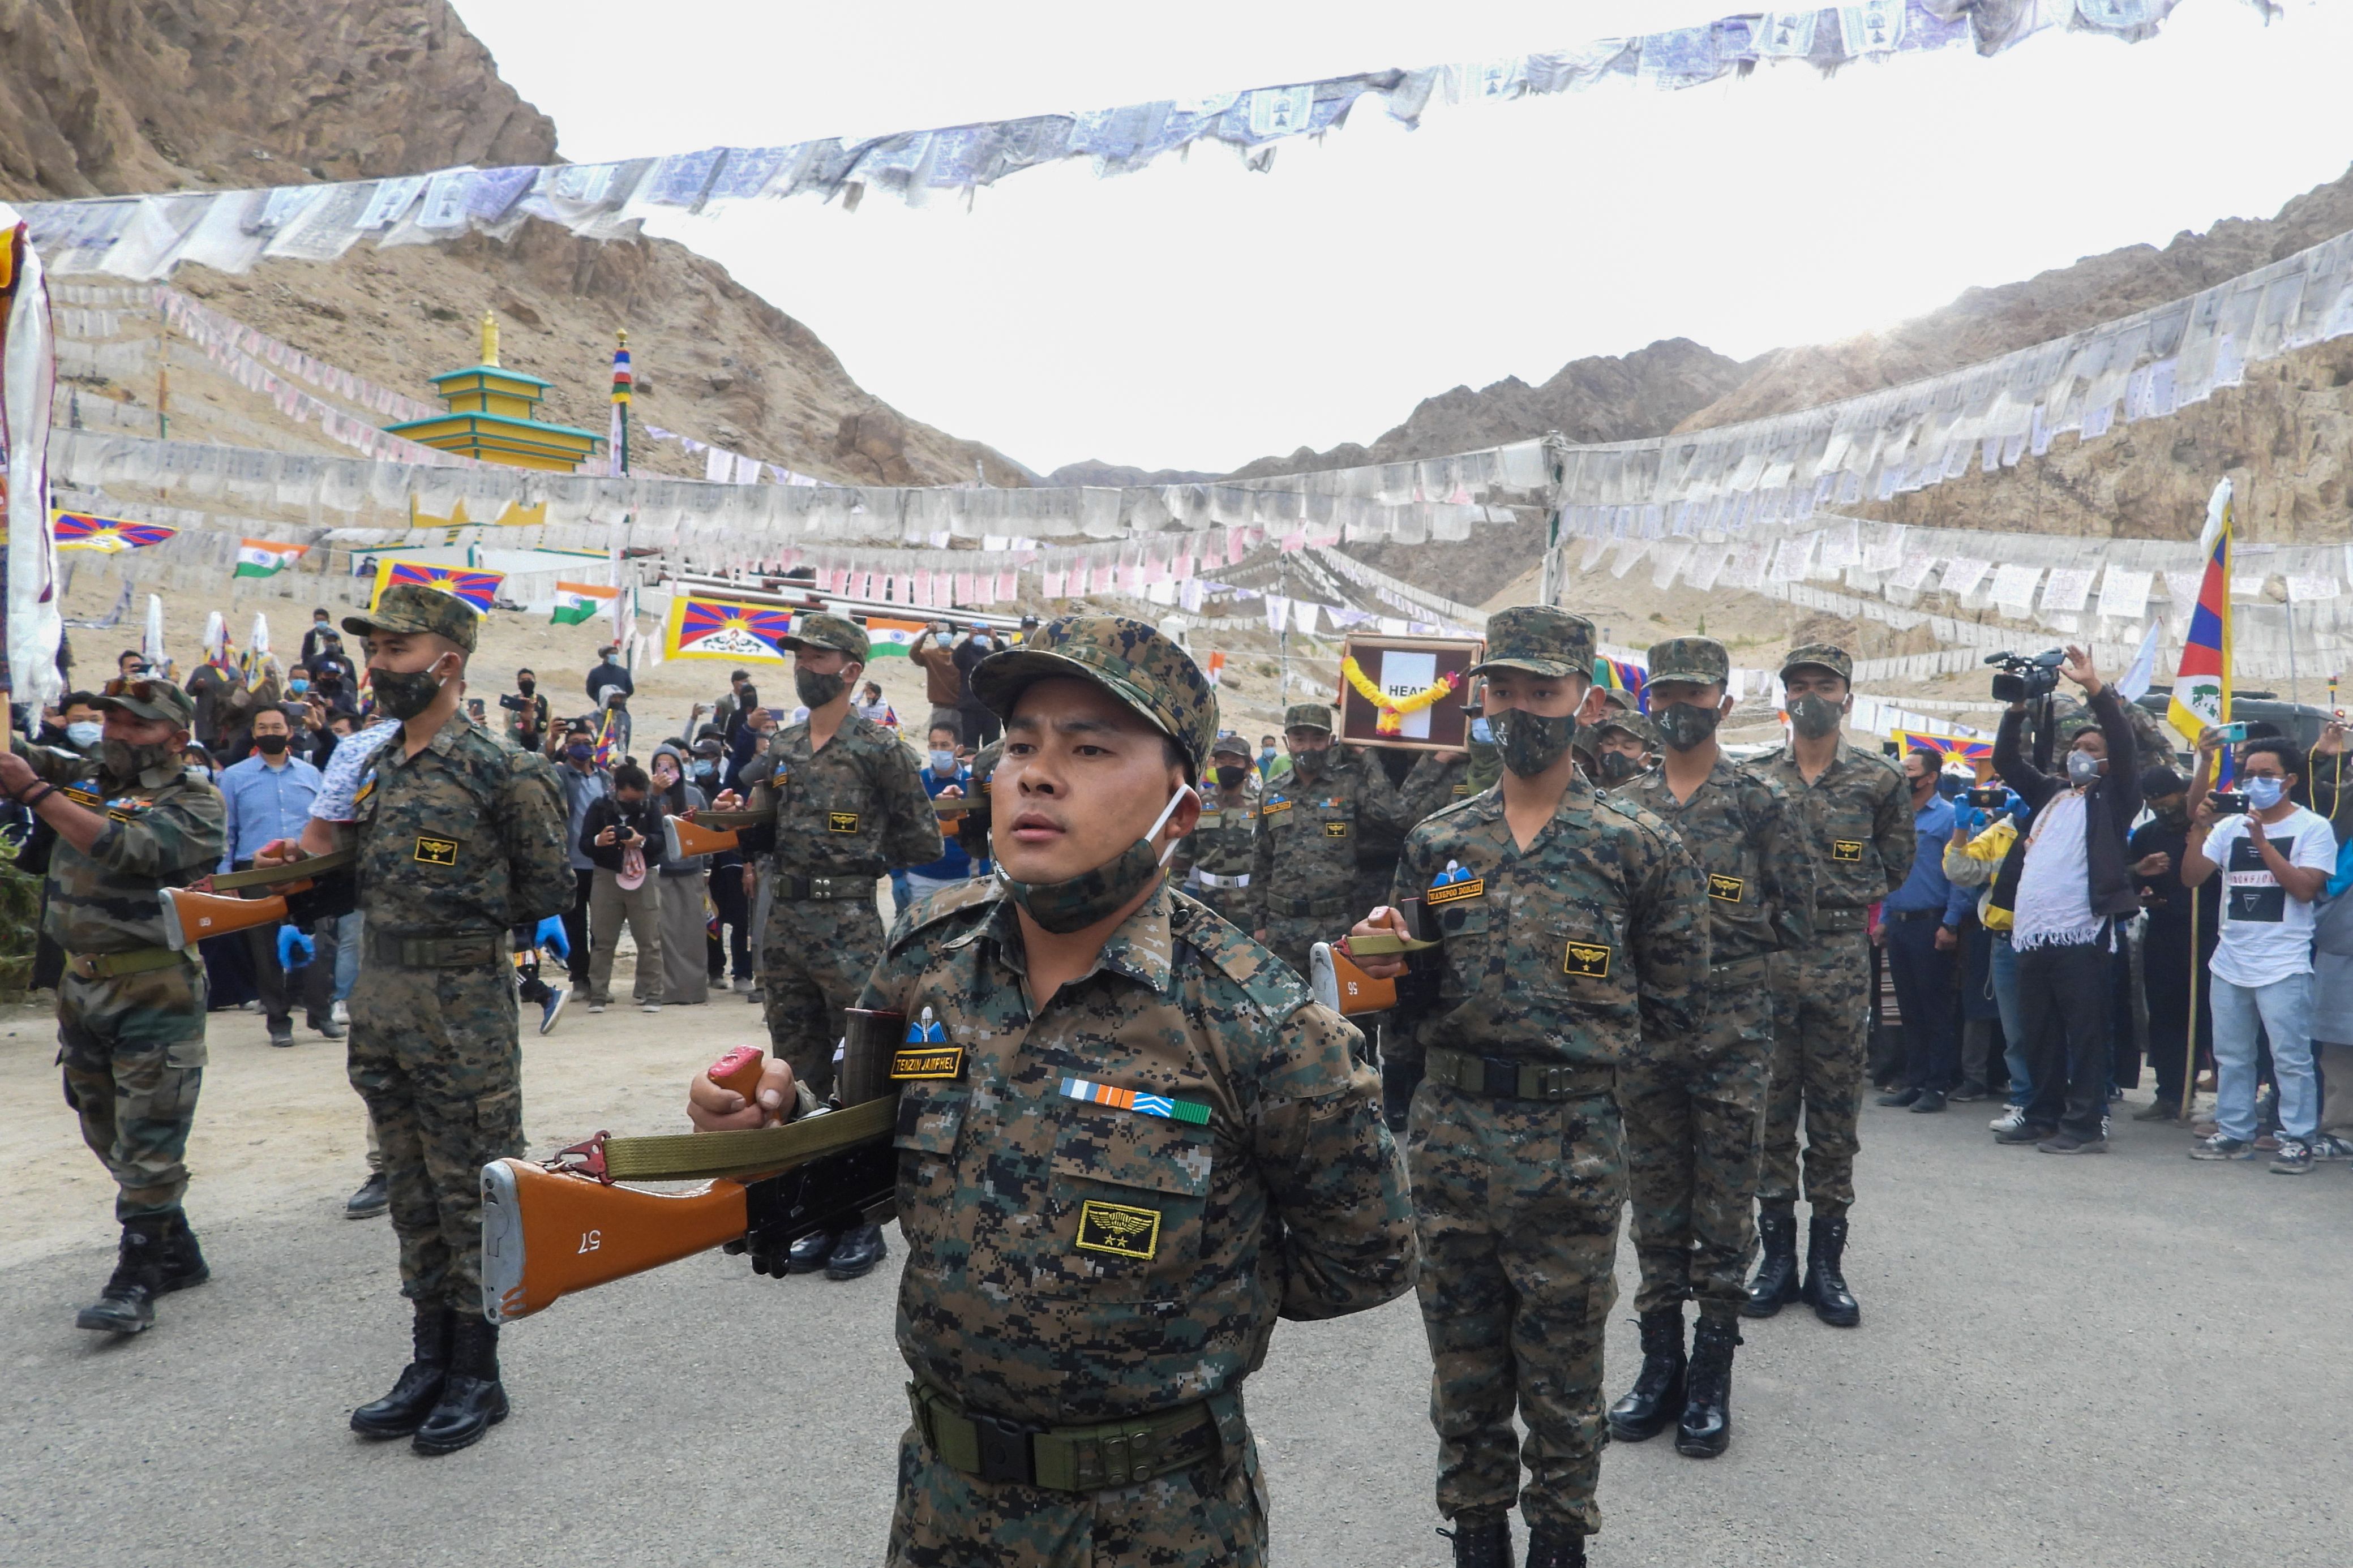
<point>1635,812</point>
<point>1270,984</point>
<point>966,903</point>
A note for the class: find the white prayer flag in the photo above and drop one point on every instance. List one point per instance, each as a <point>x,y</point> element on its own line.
<point>1963,573</point>
<point>1278,610</point>
<point>2124,592</point>
<point>2013,588</point>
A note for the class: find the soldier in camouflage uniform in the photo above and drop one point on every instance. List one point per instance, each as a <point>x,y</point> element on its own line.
<point>1213,862</point>
<point>1303,875</point>
<point>848,804</point>
<point>1155,1145</point>
<point>1693,1103</point>
<point>459,839</point>
<point>1573,926</point>
<point>130,821</point>
<point>1856,811</point>
<point>1441,778</point>
<point>1625,747</point>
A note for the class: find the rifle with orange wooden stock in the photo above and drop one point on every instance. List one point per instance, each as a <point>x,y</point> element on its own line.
<point>755,832</point>
<point>1337,981</point>
<point>314,888</point>
<point>556,1227</point>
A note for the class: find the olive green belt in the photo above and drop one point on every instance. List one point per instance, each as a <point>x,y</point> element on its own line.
<point>1063,1458</point>
<point>1853,917</point>
<point>109,965</point>
<point>1517,1081</point>
<point>471,951</point>
<point>821,889</point>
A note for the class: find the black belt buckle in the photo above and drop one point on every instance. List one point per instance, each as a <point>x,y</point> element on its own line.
<point>1499,1080</point>
<point>1005,1452</point>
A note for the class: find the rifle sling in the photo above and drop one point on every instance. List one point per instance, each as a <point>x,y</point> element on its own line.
<point>699,1156</point>
<point>310,866</point>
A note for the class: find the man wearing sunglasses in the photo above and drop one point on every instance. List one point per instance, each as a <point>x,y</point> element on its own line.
<point>130,1010</point>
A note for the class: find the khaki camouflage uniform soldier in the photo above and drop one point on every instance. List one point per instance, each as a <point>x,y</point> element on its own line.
<point>457,844</point>
<point>1857,816</point>
<point>1557,960</point>
<point>130,1010</point>
<point>1441,778</point>
<point>1304,874</point>
<point>1087,1271</point>
<point>1213,862</point>
<point>1694,1103</point>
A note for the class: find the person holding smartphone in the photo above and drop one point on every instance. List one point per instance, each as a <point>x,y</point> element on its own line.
<point>622,835</point>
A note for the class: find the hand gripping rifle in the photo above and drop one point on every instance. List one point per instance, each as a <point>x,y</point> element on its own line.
<point>552,1229</point>
<point>314,888</point>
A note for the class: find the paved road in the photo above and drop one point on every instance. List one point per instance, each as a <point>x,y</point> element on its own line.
<point>2134,1360</point>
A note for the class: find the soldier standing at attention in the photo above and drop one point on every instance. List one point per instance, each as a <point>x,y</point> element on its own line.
<point>1573,925</point>
<point>1694,1103</point>
<point>1213,862</point>
<point>1856,812</point>
<point>130,821</point>
<point>849,809</point>
<point>461,839</point>
<point>1155,1144</point>
<point>1625,747</point>
<point>1303,875</point>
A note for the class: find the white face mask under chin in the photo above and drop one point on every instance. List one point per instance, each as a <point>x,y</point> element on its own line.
<point>1162,821</point>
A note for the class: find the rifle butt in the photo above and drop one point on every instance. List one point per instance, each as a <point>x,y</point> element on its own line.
<point>684,839</point>
<point>547,1234</point>
<point>189,916</point>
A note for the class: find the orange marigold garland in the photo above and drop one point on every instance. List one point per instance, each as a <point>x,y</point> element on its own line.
<point>1393,709</point>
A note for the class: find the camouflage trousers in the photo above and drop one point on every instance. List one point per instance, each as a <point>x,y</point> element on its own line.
<point>434,1053</point>
<point>815,957</point>
<point>1694,1111</point>
<point>132,1051</point>
<point>1821,1025</point>
<point>1211,1516</point>
<point>1517,1205</point>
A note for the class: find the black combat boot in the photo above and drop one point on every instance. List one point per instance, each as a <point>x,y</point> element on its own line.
<point>183,1261</point>
<point>418,1389</point>
<point>1481,1542</point>
<point>127,1305</point>
<point>472,1400</point>
<point>1775,1285</point>
<point>1553,1546</point>
<point>1657,1397</point>
<point>1705,1429</point>
<point>808,1254</point>
<point>856,1254</point>
<point>1825,1286</point>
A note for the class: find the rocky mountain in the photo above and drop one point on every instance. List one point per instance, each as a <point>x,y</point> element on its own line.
<point>105,95</point>
<point>1096,471</point>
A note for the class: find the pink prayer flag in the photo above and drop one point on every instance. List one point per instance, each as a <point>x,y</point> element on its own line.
<point>1056,579</point>
<point>922,589</point>
<point>1008,586</point>
<point>964,595</point>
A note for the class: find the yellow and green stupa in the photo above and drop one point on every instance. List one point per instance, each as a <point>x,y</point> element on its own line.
<point>489,416</point>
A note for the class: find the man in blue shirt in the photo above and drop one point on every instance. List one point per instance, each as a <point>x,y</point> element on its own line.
<point>1920,927</point>
<point>268,796</point>
<point>942,773</point>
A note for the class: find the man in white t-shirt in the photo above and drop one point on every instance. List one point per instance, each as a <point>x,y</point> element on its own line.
<point>2274,860</point>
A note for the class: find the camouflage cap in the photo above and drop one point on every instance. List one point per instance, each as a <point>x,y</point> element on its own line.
<point>1230,744</point>
<point>1638,725</point>
<point>1308,716</point>
<point>144,697</point>
<point>838,633</point>
<point>1540,639</point>
<point>1836,660</point>
<point>413,607</point>
<point>1130,659</point>
<point>1702,661</point>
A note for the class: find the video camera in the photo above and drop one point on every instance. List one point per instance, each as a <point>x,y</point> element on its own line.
<point>2022,679</point>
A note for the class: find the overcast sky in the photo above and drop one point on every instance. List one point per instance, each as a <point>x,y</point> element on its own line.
<point>1195,315</point>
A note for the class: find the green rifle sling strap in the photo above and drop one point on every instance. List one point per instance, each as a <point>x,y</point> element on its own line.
<point>310,866</point>
<point>701,1156</point>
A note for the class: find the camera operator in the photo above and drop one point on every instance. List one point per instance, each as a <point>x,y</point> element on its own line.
<point>526,719</point>
<point>2075,883</point>
<point>2277,857</point>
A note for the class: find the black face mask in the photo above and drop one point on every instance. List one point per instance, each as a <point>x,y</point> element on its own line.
<point>1531,742</point>
<point>1617,767</point>
<point>816,689</point>
<point>405,693</point>
<point>1815,717</point>
<point>1308,764</point>
<point>1229,777</point>
<point>526,688</point>
<point>270,745</point>
<point>1683,725</point>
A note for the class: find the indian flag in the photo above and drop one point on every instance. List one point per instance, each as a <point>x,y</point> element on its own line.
<point>264,557</point>
<point>888,638</point>
<point>578,602</point>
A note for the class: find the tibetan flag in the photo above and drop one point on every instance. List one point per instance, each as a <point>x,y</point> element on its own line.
<point>720,628</point>
<point>2201,692</point>
<point>579,602</point>
<point>265,557</point>
<point>1623,675</point>
<point>1955,747</point>
<point>479,589</point>
<point>82,530</point>
<point>890,639</point>
<point>606,735</point>
<point>1159,1105</point>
